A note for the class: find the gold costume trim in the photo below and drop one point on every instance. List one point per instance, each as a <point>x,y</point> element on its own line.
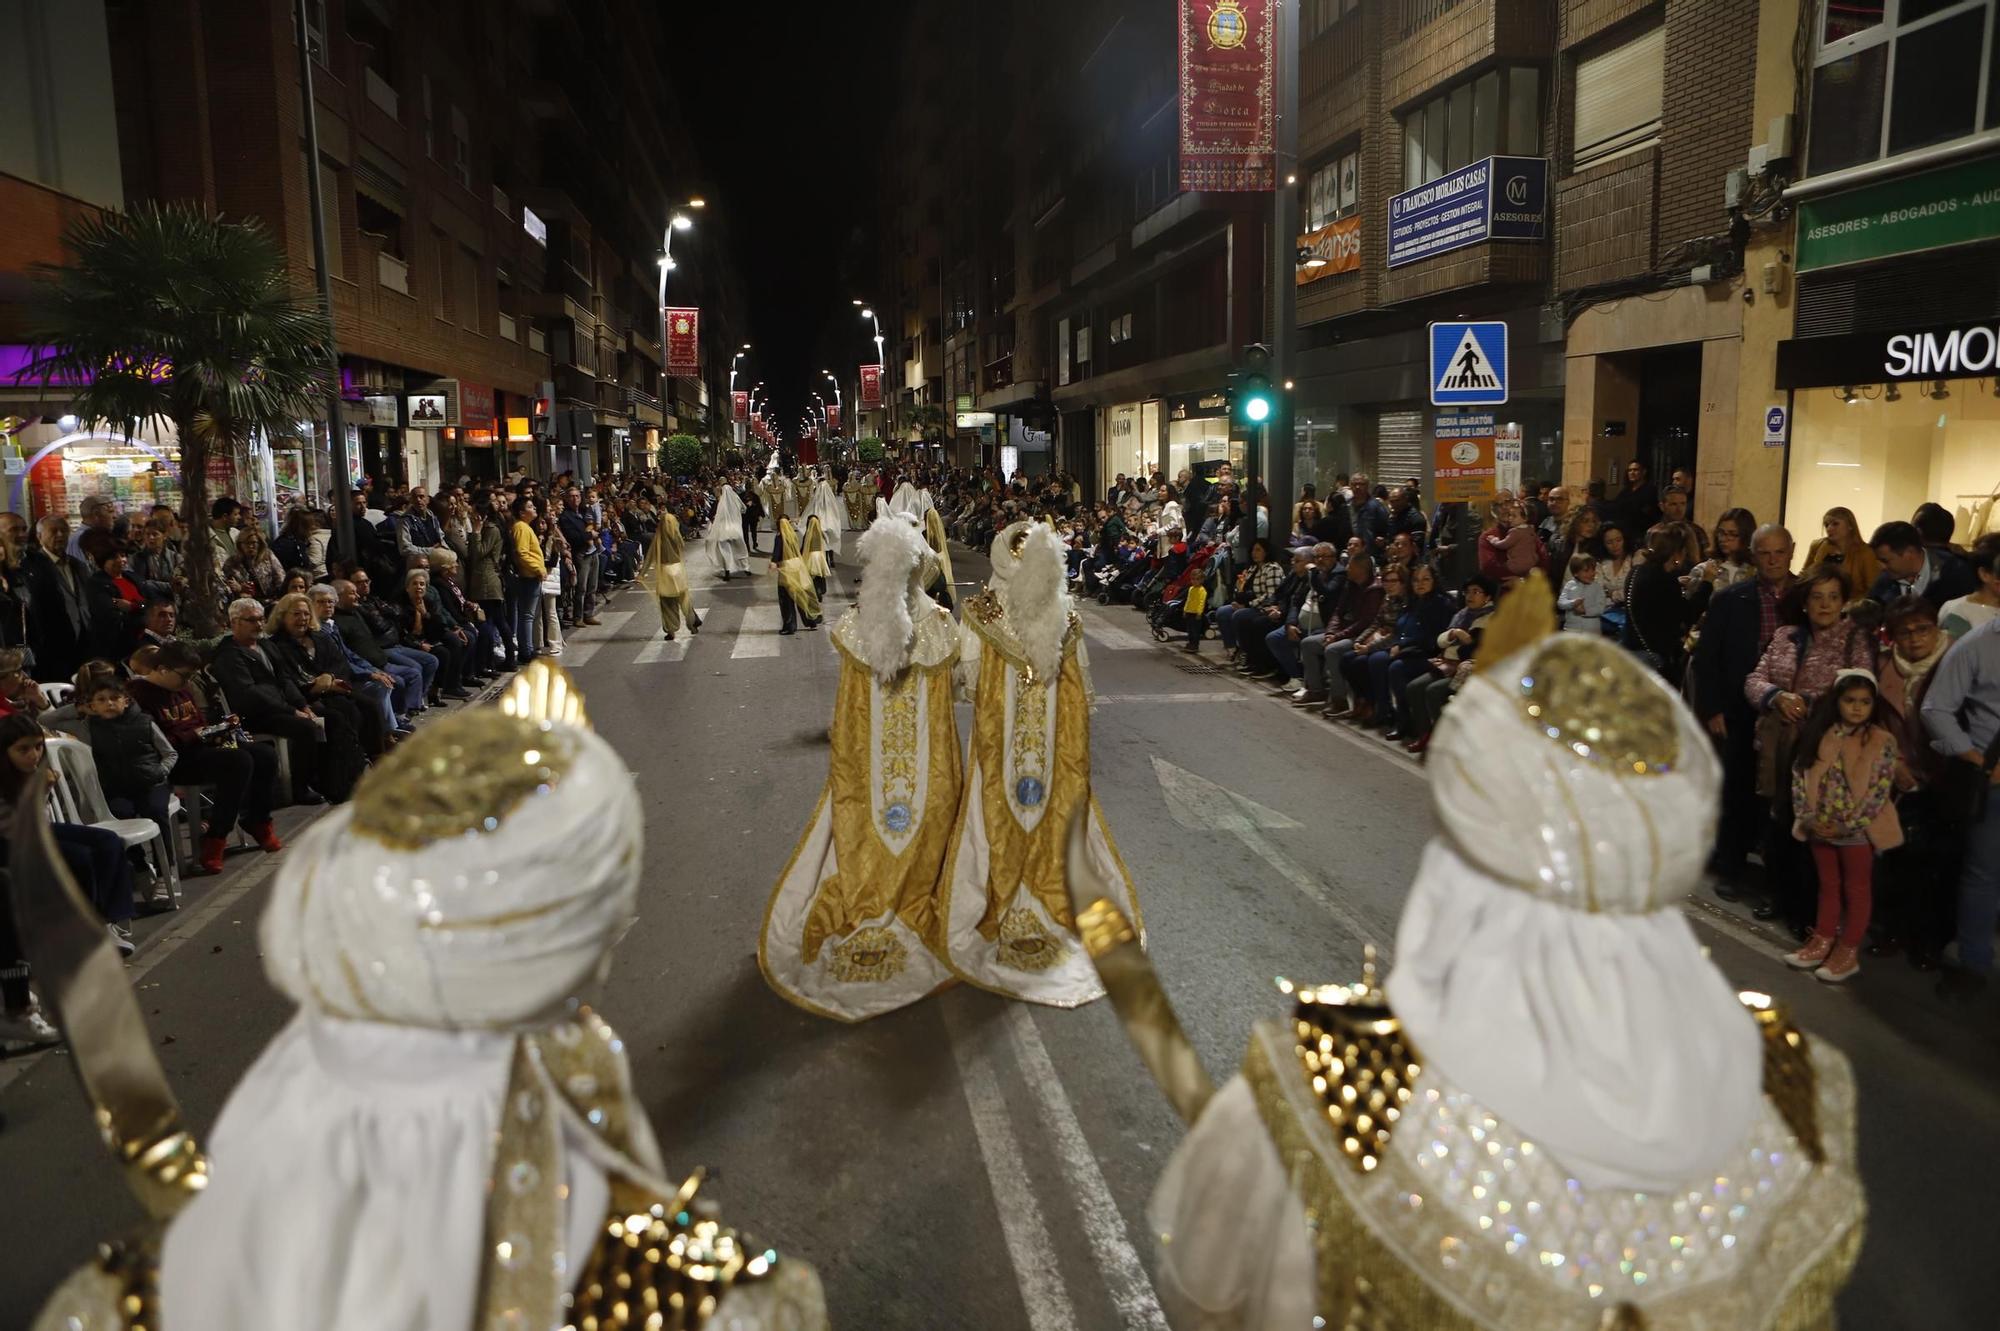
<point>1600,705</point>
<point>1360,1064</point>
<point>660,1266</point>
<point>465,773</point>
<point>1790,1082</point>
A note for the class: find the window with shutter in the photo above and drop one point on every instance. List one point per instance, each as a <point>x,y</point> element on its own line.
<point>1618,99</point>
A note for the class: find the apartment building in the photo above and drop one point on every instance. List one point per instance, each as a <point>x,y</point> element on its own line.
<point>494,207</point>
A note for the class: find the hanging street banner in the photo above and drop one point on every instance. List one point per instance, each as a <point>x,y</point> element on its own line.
<point>1339,243</point>
<point>1228,76</point>
<point>833,419</point>
<point>1465,467</point>
<point>740,405</point>
<point>683,341</point>
<point>871,387</point>
<point>1495,198</point>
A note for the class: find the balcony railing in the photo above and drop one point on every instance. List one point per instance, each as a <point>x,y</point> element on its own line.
<point>1418,14</point>
<point>507,329</point>
<point>998,373</point>
<point>381,93</point>
<point>392,272</point>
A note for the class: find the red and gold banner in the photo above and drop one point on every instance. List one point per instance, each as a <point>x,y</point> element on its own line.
<point>871,387</point>
<point>740,402</point>
<point>683,341</point>
<point>1338,243</point>
<point>833,419</point>
<point>1228,73</point>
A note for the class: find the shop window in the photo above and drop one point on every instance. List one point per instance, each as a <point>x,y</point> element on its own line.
<point>1498,112</point>
<point>1881,450</point>
<point>1893,76</point>
<point>1619,94</point>
<point>1332,192</point>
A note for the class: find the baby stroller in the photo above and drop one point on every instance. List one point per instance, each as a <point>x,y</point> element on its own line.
<point>1165,615</point>
<point>1150,591</point>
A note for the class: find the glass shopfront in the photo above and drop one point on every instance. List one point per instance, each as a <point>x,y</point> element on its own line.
<point>1129,444</point>
<point>1198,432</point>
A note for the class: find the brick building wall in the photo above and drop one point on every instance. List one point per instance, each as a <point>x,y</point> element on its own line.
<point>1711,77</point>
<point>1607,221</point>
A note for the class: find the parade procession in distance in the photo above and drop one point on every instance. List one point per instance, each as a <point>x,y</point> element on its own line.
<point>1218,665</point>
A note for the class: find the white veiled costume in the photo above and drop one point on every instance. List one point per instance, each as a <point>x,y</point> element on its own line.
<point>826,506</point>
<point>854,927</point>
<point>908,501</point>
<point>443,1138</point>
<point>1561,1119</point>
<point>725,533</point>
<point>1012,929</point>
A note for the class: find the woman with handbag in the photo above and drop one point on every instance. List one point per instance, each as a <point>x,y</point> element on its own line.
<point>1657,615</point>
<point>1798,666</point>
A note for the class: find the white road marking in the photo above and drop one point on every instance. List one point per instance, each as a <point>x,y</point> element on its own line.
<point>613,621</point>
<point>576,653</point>
<point>1171,697</point>
<point>659,649</point>
<point>757,635</point>
<point>1124,1273</point>
<point>1027,1238</point>
<point>1116,639</point>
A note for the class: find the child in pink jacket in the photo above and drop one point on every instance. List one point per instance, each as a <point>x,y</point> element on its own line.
<point>1845,770</point>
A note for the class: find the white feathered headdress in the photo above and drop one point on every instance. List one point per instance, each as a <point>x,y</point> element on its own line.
<point>895,565</point>
<point>1030,578</point>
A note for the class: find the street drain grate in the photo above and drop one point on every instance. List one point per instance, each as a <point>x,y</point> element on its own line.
<point>1190,664</point>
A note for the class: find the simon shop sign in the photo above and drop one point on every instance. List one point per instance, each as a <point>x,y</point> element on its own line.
<point>1949,351</point>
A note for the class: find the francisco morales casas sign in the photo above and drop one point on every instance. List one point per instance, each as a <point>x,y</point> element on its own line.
<point>1947,351</point>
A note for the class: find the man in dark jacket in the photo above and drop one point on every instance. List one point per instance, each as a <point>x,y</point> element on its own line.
<point>1741,623</point>
<point>271,704</point>
<point>57,582</point>
<point>575,526</point>
<point>1910,567</point>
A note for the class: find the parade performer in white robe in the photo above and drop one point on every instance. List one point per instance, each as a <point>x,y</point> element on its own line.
<point>725,534</point>
<point>1556,1115</point>
<point>904,502</point>
<point>941,586</point>
<point>855,928</point>
<point>665,574</point>
<point>444,1135</point>
<point>826,507</point>
<point>860,495</point>
<point>1011,927</point>
<point>776,490</point>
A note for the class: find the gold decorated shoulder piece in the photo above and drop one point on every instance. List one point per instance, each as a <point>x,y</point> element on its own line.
<point>1790,1083</point>
<point>1361,1065</point>
<point>661,1265</point>
<point>466,773</point>
<point>985,607</point>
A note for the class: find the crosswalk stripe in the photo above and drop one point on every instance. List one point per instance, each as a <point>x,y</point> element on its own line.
<point>576,654</point>
<point>615,620</point>
<point>659,649</point>
<point>1116,639</point>
<point>758,634</point>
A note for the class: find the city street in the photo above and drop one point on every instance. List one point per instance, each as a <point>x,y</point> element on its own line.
<point>970,1163</point>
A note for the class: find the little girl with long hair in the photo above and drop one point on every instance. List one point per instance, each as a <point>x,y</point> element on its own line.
<point>1847,767</point>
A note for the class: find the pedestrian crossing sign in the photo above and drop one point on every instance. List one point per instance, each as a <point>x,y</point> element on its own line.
<point>1469,364</point>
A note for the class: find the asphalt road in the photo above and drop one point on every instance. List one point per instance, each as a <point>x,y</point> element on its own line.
<point>970,1163</point>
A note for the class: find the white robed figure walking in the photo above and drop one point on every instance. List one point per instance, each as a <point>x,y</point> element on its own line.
<point>854,928</point>
<point>725,535</point>
<point>1012,929</point>
<point>826,506</point>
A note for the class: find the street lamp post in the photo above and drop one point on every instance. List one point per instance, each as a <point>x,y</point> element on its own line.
<point>736,427</point>
<point>868,313</point>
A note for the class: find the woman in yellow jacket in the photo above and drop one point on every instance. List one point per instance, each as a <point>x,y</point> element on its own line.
<point>525,571</point>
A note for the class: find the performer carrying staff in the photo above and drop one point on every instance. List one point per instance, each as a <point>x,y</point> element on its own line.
<point>666,573</point>
<point>1556,1113</point>
<point>818,567</point>
<point>444,1136</point>
<point>728,545</point>
<point>797,599</point>
<point>1011,928</point>
<point>854,928</point>
<point>934,537</point>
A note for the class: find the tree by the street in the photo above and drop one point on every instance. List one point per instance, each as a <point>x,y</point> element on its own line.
<point>683,455</point>
<point>168,312</point>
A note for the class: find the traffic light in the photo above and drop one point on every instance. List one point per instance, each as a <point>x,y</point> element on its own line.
<point>1254,400</point>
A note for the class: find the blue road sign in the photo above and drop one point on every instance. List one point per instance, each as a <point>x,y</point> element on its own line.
<point>1469,364</point>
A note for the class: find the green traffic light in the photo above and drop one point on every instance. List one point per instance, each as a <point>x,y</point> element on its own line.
<point>1257,409</point>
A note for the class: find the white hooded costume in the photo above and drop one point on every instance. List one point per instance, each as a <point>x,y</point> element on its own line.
<point>444,1138</point>
<point>1021,663</point>
<point>1560,1118</point>
<point>725,534</point>
<point>826,506</point>
<point>855,928</point>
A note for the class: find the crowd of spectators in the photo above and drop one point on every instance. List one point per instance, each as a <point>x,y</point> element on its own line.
<point>322,657</point>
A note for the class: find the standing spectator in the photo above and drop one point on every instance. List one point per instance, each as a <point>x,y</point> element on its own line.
<point>270,702</point>
<point>1909,566</point>
<point>1582,601</point>
<point>1962,614</point>
<point>1842,778</point>
<point>1657,614</point>
<point>1638,504</point>
<point>1842,545</point>
<point>1577,536</point>
<point>1916,910</point>
<point>1406,518</point>
<point>116,607</point>
<point>241,774</point>
<point>1508,548</point>
<point>13,581</point>
<point>1961,710</point>
<point>418,531</point>
<point>94,513</point>
<point>294,545</point>
<point>1554,526</point>
<point>57,616</point>
<point>484,560</point>
<point>525,572</point>
<point>1674,511</point>
<point>1728,561</point>
<point>225,515</point>
<point>155,561</point>
<point>1742,620</point>
<point>575,526</point>
<point>1615,562</point>
<point>1371,517</point>
<point>1798,666</point>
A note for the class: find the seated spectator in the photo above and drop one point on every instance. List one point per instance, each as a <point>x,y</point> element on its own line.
<point>1427,697</point>
<point>320,672</point>
<point>1256,584</point>
<point>1393,663</point>
<point>95,857</point>
<point>384,620</point>
<point>114,605</point>
<point>133,757</point>
<point>424,623</point>
<point>1351,685</point>
<point>410,670</point>
<point>1321,585</point>
<point>1843,547</point>
<point>297,582</point>
<point>1909,566</point>
<point>264,690</point>
<point>1282,610</point>
<point>1582,601</point>
<point>1347,610</point>
<point>253,570</point>
<point>240,773</point>
<point>374,690</point>
<point>1962,614</point>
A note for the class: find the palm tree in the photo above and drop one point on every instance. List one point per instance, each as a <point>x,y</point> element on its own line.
<point>168,312</point>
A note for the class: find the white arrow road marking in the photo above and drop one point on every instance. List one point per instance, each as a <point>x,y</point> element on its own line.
<point>1124,1273</point>
<point>1028,1244</point>
<point>757,635</point>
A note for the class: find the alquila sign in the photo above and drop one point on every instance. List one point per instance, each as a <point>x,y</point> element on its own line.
<point>1950,351</point>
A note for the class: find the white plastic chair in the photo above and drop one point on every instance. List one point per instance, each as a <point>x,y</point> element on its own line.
<point>80,799</point>
<point>55,695</point>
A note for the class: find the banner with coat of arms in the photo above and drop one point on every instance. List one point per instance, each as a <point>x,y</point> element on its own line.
<point>871,387</point>
<point>683,341</point>
<point>740,405</point>
<point>1228,84</point>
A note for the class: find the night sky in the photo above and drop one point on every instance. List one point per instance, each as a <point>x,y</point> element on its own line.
<point>789,107</point>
